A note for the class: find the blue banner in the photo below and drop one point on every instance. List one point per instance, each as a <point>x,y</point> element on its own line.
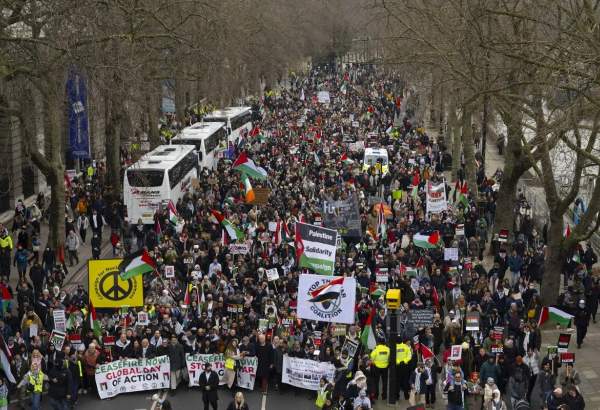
<point>79,139</point>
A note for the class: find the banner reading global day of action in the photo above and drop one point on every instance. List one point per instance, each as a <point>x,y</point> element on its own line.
<point>131,375</point>
<point>315,248</point>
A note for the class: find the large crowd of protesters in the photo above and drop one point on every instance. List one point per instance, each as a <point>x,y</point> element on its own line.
<point>301,142</point>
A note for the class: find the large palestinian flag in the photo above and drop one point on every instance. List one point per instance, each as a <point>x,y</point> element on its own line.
<point>315,248</point>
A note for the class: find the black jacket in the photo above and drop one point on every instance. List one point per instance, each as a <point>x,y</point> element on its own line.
<point>212,382</point>
<point>60,382</point>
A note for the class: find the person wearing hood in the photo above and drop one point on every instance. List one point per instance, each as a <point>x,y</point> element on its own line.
<point>582,321</point>
<point>496,402</point>
<point>356,385</point>
<point>123,348</point>
<point>362,402</point>
<point>574,399</point>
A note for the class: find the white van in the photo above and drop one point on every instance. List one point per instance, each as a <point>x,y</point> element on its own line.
<point>372,155</point>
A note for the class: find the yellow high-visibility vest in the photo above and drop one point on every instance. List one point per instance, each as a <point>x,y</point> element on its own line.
<point>381,356</point>
<point>37,382</point>
<point>403,353</point>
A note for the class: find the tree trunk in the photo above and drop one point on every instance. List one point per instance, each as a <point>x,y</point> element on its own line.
<point>180,87</point>
<point>469,151</point>
<point>113,143</point>
<point>554,262</point>
<point>152,109</point>
<point>454,132</point>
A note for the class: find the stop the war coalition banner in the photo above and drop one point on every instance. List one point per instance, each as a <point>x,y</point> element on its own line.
<point>436,198</point>
<point>315,248</point>
<point>305,373</point>
<point>326,298</point>
<point>131,375</point>
<point>246,373</point>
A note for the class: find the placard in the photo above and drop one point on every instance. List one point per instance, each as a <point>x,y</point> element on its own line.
<point>326,298</point>
<point>239,248</point>
<point>421,318</point>
<point>455,352</point>
<point>472,321</point>
<point>169,271</point>
<point>338,330</point>
<point>57,338</point>
<point>567,357</point>
<point>436,198</point>
<point>460,230</point>
<point>382,275</point>
<point>563,342</point>
<point>497,349</point>
<point>272,274</point>
<point>108,340</point>
<point>351,346</point>
<point>343,215</point>
<point>60,320</point>
<point>132,375</point>
<point>498,333</point>
<point>450,254</point>
<point>261,196</point>
<point>142,318</point>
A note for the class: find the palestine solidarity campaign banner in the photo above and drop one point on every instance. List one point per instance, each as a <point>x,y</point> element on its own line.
<point>131,375</point>
<point>315,248</point>
<point>326,298</point>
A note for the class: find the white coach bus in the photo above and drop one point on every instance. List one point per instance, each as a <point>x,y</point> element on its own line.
<point>238,121</point>
<point>159,176</point>
<point>207,137</point>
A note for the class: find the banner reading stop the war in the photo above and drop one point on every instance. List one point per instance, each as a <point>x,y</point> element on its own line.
<point>246,373</point>
<point>131,375</point>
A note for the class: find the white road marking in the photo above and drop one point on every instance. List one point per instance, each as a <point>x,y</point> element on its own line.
<point>263,405</point>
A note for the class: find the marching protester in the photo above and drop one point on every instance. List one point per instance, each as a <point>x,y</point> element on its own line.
<point>212,291</point>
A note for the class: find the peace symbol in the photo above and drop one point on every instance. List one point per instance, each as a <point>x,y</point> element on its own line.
<point>111,289</point>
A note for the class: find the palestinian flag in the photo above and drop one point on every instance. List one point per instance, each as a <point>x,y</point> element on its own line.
<point>556,315</point>
<point>345,160</point>
<point>367,337</point>
<point>231,230</point>
<point>71,322</point>
<point>426,352</point>
<point>136,264</point>
<point>381,225</point>
<point>567,232</point>
<point>462,196</point>
<point>246,166</point>
<point>427,241</point>
<point>254,132</point>
<point>328,292</point>
<point>282,233</point>
<point>250,197</point>
<point>173,216</point>
<point>186,297</point>
<point>5,358</point>
<point>377,293</point>
<point>94,322</point>
<point>435,297</point>
<point>415,185</point>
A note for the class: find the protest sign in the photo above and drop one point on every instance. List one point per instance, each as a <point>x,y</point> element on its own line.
<point>498,333</point>
<point>108,340</point>
<point>315,248</point>
<point>421,317</point>
<point>326,298</point>
<point>239,248</point>
<point>450,254</point>
<point>261,195</point>
<point>460,230</point>
<point>497,349</point>
<point>169,271</point>
<point>195,365</point>
<point>142,318</point>
<point>343,216</point>
<point>563,342</point>
<point>272,274</point>
<point>246,373</point>
<point>304,373</point>
<point>132,375</point>
<point>60,321</point>
<point>455,352</point>
<point>351,346</point>
<point>567,357</point>
<point>472,321</point>
<point>382,275</point>
<point>235,308</point>
<point>338,330</point>
<point>552,351</point>
<point>436,198</point>
<point>323,97</point>
<point>75,341</point>
<point>57,338</point>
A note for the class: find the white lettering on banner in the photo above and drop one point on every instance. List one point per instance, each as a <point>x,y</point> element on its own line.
<point>132,375</point>
<point>246,373</point>
<point>321,235</point>
<point>305,373</point>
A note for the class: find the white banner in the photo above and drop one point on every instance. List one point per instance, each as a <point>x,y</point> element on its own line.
<point>323,97</point>
<point>305,373</point>
<point>326,298</point>
<point>436,198</point>
<point>246,373</point>
<point>239,248</point>
<point>131,375</point>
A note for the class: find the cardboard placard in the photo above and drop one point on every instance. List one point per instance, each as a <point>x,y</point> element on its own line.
<point>338,330</point>
<point>455,352</point>
<point>272,274</point>
<point>498,333</point>
<point>421,317</point>
<point>57,338</point>
<point>497,349</point>
<point>142,318</point>
<point>60,320</point>
<point>169,271</point>
<point>108,340</point>
<point>563,342</point>
<point>567,357</point>
<point>472,321</point>
<point>239,248</point>
<point>261,196</point>
<point>450,254</point>
<point>382,275</point>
